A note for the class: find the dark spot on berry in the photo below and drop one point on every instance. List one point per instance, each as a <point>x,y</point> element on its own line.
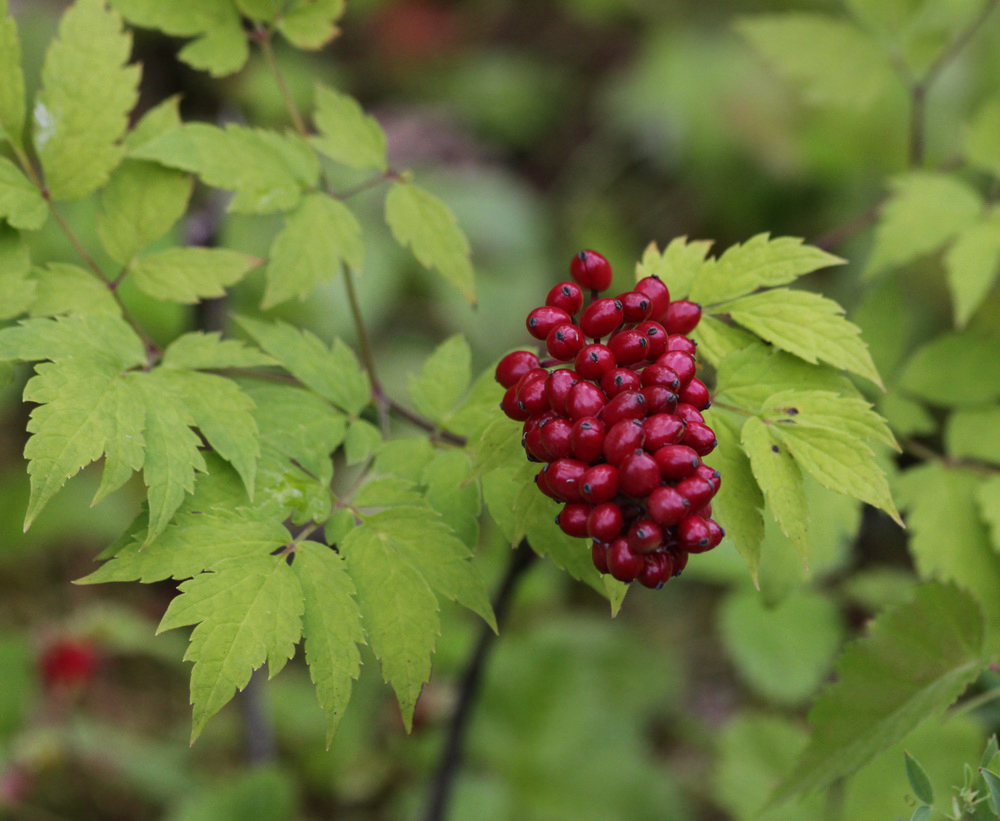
<point>582,256</point>
<point>618,304</point>
<point>775,448</point>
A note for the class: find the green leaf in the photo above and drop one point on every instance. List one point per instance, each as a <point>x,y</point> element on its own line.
<point>334,374</point>
<point>443,379</point>
<point>499,446</point>
<point>192,543</point>
<point>992,780</point>
<point>12,109</point>
<point>86,409</point>
<point>361,441</point>
<point>263,11</point>
<point>677,265</point>
<point>716,340</point>
<point>914,662</point>
<point>924,211</point>
<point>919,782</point>
<point>268,172</point>
<point>310,24</point>
<point>198,350</point>
<point>988,496</point>
<point>385,492</point>
<point>331,626</point>
<point>974,433</point>
<point>15,263</point>
<point>906,417</point>
<point>781,481</point>
<point>923,813</point>
<point>782,665</point>
<point>20,203</point>
<point>805,324</point>
<point>453,495</point>
<point>102,338</point>
<point>190,274</point>
<point>839,462</point>
<point>825,409</point>
<point>969,359</point>
<point>317,239</point>
<point>81,113</point>
<point>406,458</point>
<point>161,118</point>
<point>832,59</point>
<point>140,203</point>
<point>400,612</point>
<point>760,262</point>
<point>948,540</point>
<point>267,792</point>
<point>346,134</point>
<point>221,47</point>
<point>421,221</point>
<point>981,138</point>
<point>971,265</point>
<point>62,288</point>
<point>247,611</point>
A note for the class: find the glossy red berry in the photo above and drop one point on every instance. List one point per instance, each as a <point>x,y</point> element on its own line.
<point>645,535</point>
<point>636,306</point>
<point>666,506</point>
<point>541,479</point>
<point>594,360</point>
<point>585,399</point>
<point>638,475</point>
<point>689,413</point>
<point>572,520</point>
<point>697,491</point>
<point>566,295</point>
<point>710,474</point>
<point>605,522</point>
<point>662,429</point>
<point>599,556</point>
<point>587,439</point>
<point>599,484</point>
<point>602,317</point>
<point>542,320</point>
<point>657,336</point>
<point>617,380</point>
<point>591,270</point>
<point>700,438</point>
<point>624,563</point>
<point>679,342</point>
<point>563,477</point>
<point>623,439</point>
<point>681,316</point>
<point>629,347</point>
<point>659,399</point>
<point>564,342</point>
<point>693,534</point>
<point>626,405</point>
<point>555,438</point>
<point>676,462</point>
<point>513,366</point>
<point>510,407</point>
<point>715,533</point>
<point>660,375</point>
<point>680,559</point>
<point>532,443</point>
<point>531,396</point>
<point>655,288</point>
<point>681,363</point>
<point>695,393</point>
<point>557,388</point>
<point>657,570</point>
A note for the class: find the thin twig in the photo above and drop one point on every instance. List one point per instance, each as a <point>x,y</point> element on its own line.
<point>425,424</point>
<point>838,236</point>
<point>263,36</point>
<point>452,752</point>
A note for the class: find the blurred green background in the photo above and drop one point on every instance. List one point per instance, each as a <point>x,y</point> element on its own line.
<point>546,126</point>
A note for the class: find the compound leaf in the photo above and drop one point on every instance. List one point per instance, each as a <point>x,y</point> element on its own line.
<point>443,379</point>
<point>81,113</point>
<point>451,492</point>
<point>969,358</point>
<point>12,108</point>
<point>198,350</point>
<point>62,288</point>
<point>677,265</point>
<point>825,409</point>
<point>190,274</point>
<point>15,263</point>
<point>346,134</point>
<point>103,338</point>
<point>974,433</point>
<point>20,203</point>
<point>160,119</point>
<point>971,265</point>
<point>311,24</point>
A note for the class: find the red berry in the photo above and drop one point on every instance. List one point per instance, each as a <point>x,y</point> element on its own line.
<point>715,533</point>
<point>696,393</point>
<point>623,439</point>
<point>591,270</point>
<point>68,662</point>
<point>657,571</point>
<point>693,534</point>
<point>700,438</point>
<point>572,520</point>
<point>599,484</point>
<point>605,522</point>
<point>602,317</point>
<point>638,475</point>
<point>654,287</point>
<point>697,491</point>
<point>679,342</point>
<point>626,405</point>
<point>555,438</point>
<point>657,336</point>
<point>557,388</point>
<point>585,399</point>
<point>563,477</point>
<point>710,474</point>
<point>532,443</point>
<point>564,341</point>
<point>509,405</point>
<point>541,479</point>
<point>629,347</point>
<point>666,506</point>
<point>599,556</point>
<point>659,399</point>
<point>616,380</point>
<point>513,366</point>
<point>542,320</point>
<point>531,396</point>
<point>593,361</point>
<point>680,560</point>
<point>566,295</point>
<point>645,535</point>
<point>660,375</point>
<point>689,413</point>
<point>676,462</point>
<point>587,439</point>
<point>624,563</point>
<point>681,316</point>
<point>681,363</point>
<point>662,429</point>
<point>636,306</point>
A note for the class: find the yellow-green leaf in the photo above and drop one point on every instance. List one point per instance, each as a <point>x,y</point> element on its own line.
<point>677,265</point>
<point>15,263</point>
<point>12,109</point>
<point>346,134</point>
<point>443,379</point>
<point>981,138</point>
<point>20,203</point>
<point>190,274</point>
<point>63,288</point>
<point>971,265</point>
<point>311,24</point>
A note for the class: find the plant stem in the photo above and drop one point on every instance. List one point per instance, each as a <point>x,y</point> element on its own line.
<point>425,424</point>
<point>454,744</point>
<point>367,357</point>
<point>263,36</point>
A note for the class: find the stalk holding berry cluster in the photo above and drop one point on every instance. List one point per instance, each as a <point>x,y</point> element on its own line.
<point>618,423</point>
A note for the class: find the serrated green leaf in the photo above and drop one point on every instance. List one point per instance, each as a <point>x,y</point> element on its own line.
<point>924,211</point>
<point>981,138</point>
<point>331,626</point>
<point>15,263</point>
<point>499,446</point>
<point>104,338</point>
<point>267,171</point>
<point>825,409</point>
<point>919,782</point>
<point>387,491</point>
<point>161,118</point>
<point>988,497</point>
<point>839,462</point>
<point>974,433</point>
<point>716,340</point>
<point>12,108</point>
<point>334,374</point>
<point>760,262</point>
<point>221,47</point>
<point>346,134</point>
<point>86,409</point>
<point>190,274</point>
<point>914,662</point>
<point>317,239</point>
<point>443,379</point>
<point>948,540</point>
<point>62,288</point>
<point>198,350</point>
<point>310,24</point>
<point>779,477</point>
<point>738,504</point>
<point>453,495</point>
<point>500,492</point>
<point>81,112</point>
<point>831,58</point>
<point>805,324</point>
<point>400,613</point>
<point>969,359</point>
<point>677,265</point>
<point>405,458</point>
<point>20,202</point>
<point>264,11</point>
<point>140,203</point>
<point>782,665</point>
<point>285,491</point>
<point>192,543</point>
<point>247,611</point>
<point>420,221</point>
<point>478,409</point>
<point>971,265</point>
<point>361,441</point>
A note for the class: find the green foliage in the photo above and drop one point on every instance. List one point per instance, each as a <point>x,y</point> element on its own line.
<point>12,114</point>
<point>346,134</point>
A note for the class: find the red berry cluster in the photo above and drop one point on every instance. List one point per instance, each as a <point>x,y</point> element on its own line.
<point>620,429</point>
